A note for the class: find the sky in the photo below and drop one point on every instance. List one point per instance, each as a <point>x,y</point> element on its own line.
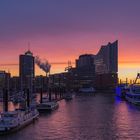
<point>61,30</point>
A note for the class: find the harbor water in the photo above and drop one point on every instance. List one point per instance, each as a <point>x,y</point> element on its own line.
<point>99,117</point>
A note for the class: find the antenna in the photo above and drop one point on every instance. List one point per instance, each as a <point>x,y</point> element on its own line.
<point>28,45</point>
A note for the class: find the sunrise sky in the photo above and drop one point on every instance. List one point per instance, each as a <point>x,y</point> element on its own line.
<point>61,30</point>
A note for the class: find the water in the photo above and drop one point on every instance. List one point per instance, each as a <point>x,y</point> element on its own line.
<point>100,117</point>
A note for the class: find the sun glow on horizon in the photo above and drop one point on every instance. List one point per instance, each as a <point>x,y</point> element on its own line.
<point>126,69</point>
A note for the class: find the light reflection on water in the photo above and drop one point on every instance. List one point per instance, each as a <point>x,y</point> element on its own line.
<point>11,106</point>
<point>85,118</point>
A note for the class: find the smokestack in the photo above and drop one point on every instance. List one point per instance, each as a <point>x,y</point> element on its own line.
<point>5,100</point>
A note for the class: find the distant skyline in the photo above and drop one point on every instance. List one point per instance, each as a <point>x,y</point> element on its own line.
<point>62,30</point>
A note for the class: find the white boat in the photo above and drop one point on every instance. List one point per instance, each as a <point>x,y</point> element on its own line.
<point>87,90</point>
<point>12,121</point>
<point>133,95</point>
<point>47,106</point>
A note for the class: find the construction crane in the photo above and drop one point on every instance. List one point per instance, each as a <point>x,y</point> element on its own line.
<point>69,66</point>
<point>138,77</point>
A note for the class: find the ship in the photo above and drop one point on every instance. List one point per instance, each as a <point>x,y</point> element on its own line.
<point>133,94</point>
<point>87,90</point>
<point>11,121</point>
<point>45,104</point>
<point>68,96</point>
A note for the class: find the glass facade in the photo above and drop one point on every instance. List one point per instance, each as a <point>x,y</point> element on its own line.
<point>27,70</point>
<point>106,60</point>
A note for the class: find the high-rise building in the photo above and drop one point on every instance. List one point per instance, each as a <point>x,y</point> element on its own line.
<point>27,70</point>
<point>106,60</point>
<point>86,60</point>
<point>85,71</point>
<point>106,66</point>
<point>99,70</point>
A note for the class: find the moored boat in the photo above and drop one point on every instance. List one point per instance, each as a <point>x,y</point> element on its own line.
<point>11,121</point>
<point>133,95</point>
<point>68,97</point>
<point>47,106</point>
<point>87,90</point>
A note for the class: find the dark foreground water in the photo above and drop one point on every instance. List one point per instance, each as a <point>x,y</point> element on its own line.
<point>100,117</point>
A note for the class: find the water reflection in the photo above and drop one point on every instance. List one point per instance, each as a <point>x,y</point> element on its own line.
<point>101,117</point>
<point>11,106</point>
<point>126,119</point>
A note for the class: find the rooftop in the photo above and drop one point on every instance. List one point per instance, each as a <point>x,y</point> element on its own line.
<point>28,52</point>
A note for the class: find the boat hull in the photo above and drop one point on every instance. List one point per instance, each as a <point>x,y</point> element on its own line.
<point>44,109</point>
<point>20,126</point>
<point>68,99</point>
<point>133,101</point>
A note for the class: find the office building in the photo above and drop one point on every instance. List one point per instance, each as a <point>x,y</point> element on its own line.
<point>27,70</point>
<point>106,60</point>
<point>85,71</point>
<point>106,66</point>
<point>100,70</point>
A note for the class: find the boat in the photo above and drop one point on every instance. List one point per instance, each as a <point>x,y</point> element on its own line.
<point>121,90</point>
<point>47,106</point>
<point>12,121</point>
<point>87,90</point>
<point>133,95</point>
<point>68,97</point>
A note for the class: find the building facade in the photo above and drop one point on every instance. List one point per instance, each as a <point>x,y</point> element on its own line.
<point>106,66</point>
<point>27,70</point>
<point>106,60</point>
<point>99,71</point>
<point>4,81</point>
<point>84,73</point>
